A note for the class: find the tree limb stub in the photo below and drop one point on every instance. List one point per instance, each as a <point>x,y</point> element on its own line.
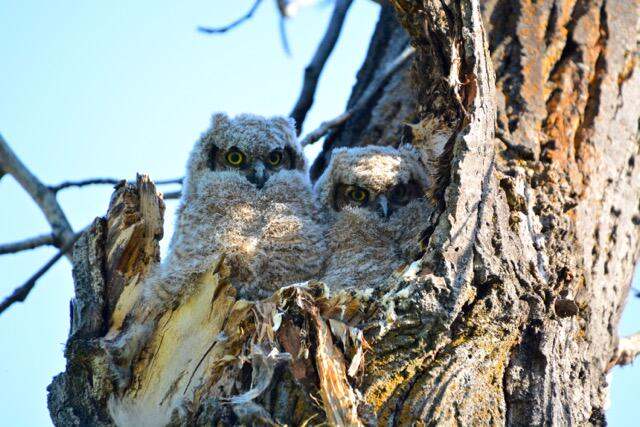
<point>108,263</point>
<point>628,349</point>
<point>314,69</point>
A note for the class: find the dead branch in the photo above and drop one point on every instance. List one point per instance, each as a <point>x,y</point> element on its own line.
<point>108,181</point>
<point>21,293</point>
<point>314,69</point>
<point>325,127</point>
<point>41,194</point>
<point>221,30</point>
<point>628,350</point>
<point>31,243</point>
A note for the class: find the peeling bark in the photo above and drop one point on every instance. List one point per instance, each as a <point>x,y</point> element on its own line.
<point>510,317</point>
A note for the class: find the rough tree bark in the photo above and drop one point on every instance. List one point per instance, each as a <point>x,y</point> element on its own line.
<point>510,317</point>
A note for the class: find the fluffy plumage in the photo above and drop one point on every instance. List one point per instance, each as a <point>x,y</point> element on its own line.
<point>365,246</point>
<point>268,233</point>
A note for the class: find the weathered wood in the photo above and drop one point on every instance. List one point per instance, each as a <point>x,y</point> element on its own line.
<point>558,236</point>
<point>569,123</point>
<point>134,228</point>
<point>117,249</point>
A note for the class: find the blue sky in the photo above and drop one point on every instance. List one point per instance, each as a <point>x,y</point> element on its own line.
<point>94,88</point>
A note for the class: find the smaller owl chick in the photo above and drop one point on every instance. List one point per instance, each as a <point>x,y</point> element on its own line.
<point>246,196</point>
<point>377,205</point>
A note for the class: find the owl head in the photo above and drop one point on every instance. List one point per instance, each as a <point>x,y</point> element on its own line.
<point>379,179</point>
<point>253,146</point>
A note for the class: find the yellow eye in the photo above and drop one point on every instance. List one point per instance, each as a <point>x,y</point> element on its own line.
<point>275,158</point>
<point>234,158</point>
<point>358,195</point>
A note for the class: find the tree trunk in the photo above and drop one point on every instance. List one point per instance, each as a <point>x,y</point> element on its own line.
<point>510,317</point>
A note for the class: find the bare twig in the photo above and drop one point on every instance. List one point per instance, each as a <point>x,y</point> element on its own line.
<point>31,243</point>
<point>21,293</point>
<point>172,195</point>
<point>377,83</point>
<point>109,181</point>
<point>245,17</point>
<point>628,350</point>
<point>168,181</point>
<point>84,183</point>
<point>282,26</point>
<point>41,194</point>
<point>314,69</point>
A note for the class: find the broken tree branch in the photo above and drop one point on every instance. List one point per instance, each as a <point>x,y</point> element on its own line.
<point>628,350</point>
<point>314,69</point>
<point>221,30</point>
<point>20,294</point>
<point>325,127</point>
<point>41,194</point>
<point>31,243</point>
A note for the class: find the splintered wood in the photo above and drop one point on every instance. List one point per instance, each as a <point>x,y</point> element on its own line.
<point>216,348</point>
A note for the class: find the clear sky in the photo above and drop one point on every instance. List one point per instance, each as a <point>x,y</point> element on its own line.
<point>93,88</point>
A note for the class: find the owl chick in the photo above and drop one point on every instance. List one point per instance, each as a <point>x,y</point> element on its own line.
<point>246,196</point>
<point>377,205</point>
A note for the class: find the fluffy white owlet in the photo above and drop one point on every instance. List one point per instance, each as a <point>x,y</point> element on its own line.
<point>246,195</point>
<point>377,205</point>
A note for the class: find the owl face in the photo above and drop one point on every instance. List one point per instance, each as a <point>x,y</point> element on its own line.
<point>252,146</point>
<point>381,180</point>
<point>257,167</point>
<point>384,203</point>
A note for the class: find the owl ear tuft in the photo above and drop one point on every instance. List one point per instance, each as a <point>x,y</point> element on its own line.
<point>219,120</point>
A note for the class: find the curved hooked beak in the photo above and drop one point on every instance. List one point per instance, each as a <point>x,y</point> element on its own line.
<point>258,176</point>
<point>383,207</point>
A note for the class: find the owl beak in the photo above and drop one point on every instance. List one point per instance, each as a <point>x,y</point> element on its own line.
<point>259,175</point>
<point>383,207</point>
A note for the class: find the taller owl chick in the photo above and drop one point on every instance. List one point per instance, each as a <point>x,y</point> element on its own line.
<point>377,204</point>
<point>247,197</point>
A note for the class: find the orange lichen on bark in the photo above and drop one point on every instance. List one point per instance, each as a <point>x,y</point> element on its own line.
<point>573,87</point>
